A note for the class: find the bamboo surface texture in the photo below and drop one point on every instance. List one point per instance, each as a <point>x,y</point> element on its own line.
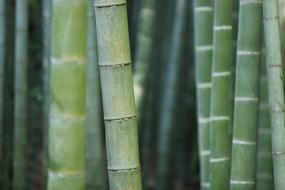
<point>118,95</point>
<point>264,175</point>
<point>220,138</point>
<point>95,165</point>
<point>20,114</point>
<point>203,31</point>
<point>68,93</point>
<point>244,143</point>
<point>275,89</point>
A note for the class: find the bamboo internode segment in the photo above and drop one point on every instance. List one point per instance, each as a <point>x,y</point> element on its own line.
<point>68,92</point>
<point>203,29</point>
<point>220,139</point>
<point>275,89</point>
<point>118,95</point>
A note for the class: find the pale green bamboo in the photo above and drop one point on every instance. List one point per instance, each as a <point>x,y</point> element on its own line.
<point>166,125</point>
<point>220,138</point>
<point>264,178</point>
<point>243,167</point>
<point>203,30</point>
<point>275,89</point>
<point>46,32</point>
<point>20,114</point>
<point>2,67</point>
<point>68,93</point>
<point>95,165</point>
<point>118,95</point>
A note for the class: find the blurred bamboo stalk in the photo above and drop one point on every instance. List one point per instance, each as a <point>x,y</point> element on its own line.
<point>118,94</point>
<point>68,95</point>
<point>246,96</point>
<point>275,89</point>
<point>220,138</point>
<point>203,20</point>
<point>264,175</point>
<point>166,123</point>
<point>95,161</point>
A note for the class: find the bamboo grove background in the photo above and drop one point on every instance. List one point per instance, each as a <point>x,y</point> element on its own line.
<point>81,80</point>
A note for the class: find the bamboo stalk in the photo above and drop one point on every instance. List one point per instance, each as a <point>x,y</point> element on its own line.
<point>170,92</point>
<point>68,93</point>
<point>203,30</point>
<point>20,114</point>
<point>46,32</point>
<point>118,95</point>
<point>2,75</point>
<point>243,168</point>
<point>264,178</point>
<point>220,137</point>
<point>275,89</point>
<point>96,175</point>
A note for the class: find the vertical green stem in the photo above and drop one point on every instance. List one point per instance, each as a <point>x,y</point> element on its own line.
<point>95,165</point>
<point>275,89</point>
<point>20,114</point>
<point>220,138</point>
<point>243,168</point>
<point>264,178</point>
<point>68,95</point>
<point>203,30</point>
<point>118,95</point>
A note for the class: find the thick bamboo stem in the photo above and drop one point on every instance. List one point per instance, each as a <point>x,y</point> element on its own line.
<point>20,114</point>
<point>118,95</point>
<point>246,96</point>
<point>95,165</point>
<point>275,89</point>
<point>220,138</point>
<point>68,94</point>
<point>203,30</point>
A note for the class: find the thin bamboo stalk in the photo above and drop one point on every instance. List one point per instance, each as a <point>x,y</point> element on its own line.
<point>118,95</point>
<point>203,30</point>
<point>275,89</point>
<point>20,114</point>
<point>170,90</point>
<point>95,165</point>
<point>264,178</point>
<point>2,76</point>
<point>220,138</point>
<point>246,96</point>
<point>68,93</point>
<point>46,32</point>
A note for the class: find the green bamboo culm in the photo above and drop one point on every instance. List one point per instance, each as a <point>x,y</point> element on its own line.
<point>66,168</point>
<point>203,31</point>
<point>243,167</point>
<point>264,175</point>
<point>220,138</point>
<point>20,114</point>
<point>118,95</point>
<point>95,165</point>
<point>275,89</point>
<point>46,31</point>
<point>2,67</point>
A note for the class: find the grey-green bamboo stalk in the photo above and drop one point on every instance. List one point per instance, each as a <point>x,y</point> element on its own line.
<point>243,167</point>
<point>118,95</point>
<point>68,94</point>
<point>220,138</point>
<point>166,124</point>
<point>203,31</point>
<point>2,67</point>
<point>95,165</point>
<point>275,89</point>
<point>264,178</point>
<point>20,114</point>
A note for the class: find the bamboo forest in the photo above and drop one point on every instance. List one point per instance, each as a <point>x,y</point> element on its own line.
<point>142,95</point>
